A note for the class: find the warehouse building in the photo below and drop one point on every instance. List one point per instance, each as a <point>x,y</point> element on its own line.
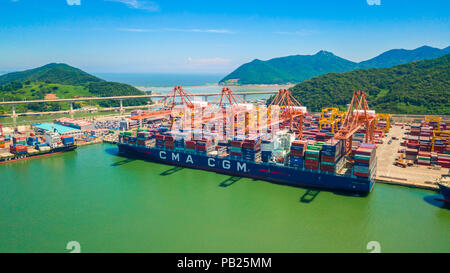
<point>61,129</point>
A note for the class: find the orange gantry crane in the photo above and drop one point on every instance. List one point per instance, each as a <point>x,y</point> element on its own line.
<point>167,103</point>
<point>226,98</point>
<point>357,116</point>
<point>290,110</point>
<point>227,94</point>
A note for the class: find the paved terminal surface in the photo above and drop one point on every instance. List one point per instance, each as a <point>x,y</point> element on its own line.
<point>414,176</point>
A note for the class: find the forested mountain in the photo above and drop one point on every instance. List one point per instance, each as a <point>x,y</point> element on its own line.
<point>295,69</point>
<point>400,56</point>
<point>60,81</point>
<point>289,69</point>
<point>51,73</point>
<point>421,87</point>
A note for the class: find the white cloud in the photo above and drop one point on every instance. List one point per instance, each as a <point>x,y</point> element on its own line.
<point>210,30</point>
<point>373,2</point>
<point>208,62</point>
<point>137,30</point>
<point>139,4</point>
<point>222,31</point>
<point>73,2</point>
<point>218,31</point>
<point>298,32</point>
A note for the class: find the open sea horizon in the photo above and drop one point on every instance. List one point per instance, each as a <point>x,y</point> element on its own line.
<point>161,80</point>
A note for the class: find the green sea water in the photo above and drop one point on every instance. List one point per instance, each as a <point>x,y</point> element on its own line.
<point>108,203</point>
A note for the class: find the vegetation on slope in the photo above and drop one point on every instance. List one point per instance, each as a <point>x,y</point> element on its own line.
<point>421,87</point>
<point>51,73</point>
<point>289,69</point>
<point>295,69</point>
<point>63,81</point>
<point>401,56</point>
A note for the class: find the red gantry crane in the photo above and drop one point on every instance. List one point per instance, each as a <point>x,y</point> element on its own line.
<point>290,111</point>
<point>167,103</point>
<point>356,117</point>
<point>226,96</point>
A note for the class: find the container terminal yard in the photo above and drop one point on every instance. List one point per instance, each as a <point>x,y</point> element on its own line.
<point>337,150</point>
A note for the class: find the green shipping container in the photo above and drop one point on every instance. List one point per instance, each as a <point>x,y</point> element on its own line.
<point>362,157</point>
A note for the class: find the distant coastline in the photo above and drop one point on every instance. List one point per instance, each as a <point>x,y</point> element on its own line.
<point>210,85</point>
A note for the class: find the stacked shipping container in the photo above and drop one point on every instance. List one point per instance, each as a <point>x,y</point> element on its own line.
<point>365,160</point>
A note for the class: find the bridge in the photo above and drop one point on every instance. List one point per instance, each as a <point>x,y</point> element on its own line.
<point>121,98</point>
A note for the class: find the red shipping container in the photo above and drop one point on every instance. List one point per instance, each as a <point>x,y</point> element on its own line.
<point>297,153</point>
<point>169,145</point>
<point>364,151</point>
<point>328,158</point>
<point>249,145</point>
<point>201,147</point>
<point>236,143</point>
<point>327,168</point>
<point>361,174</point>
<point>298,143</point>
<point>190,144</point>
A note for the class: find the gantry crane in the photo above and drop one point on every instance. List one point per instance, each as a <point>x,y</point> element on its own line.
<point>436,119</point>
<point>167,103</point>
<point>228,104</point>
<point>290,110</point>
<point>385,117</point>
<point>437,134</point>
<point>227,94</point>
<point>330,116</point>
<point>356,117</point>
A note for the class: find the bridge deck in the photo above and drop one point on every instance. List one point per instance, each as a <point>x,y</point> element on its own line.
<point>126,97</point>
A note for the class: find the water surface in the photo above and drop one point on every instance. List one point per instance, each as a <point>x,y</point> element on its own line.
<point>112,204</point>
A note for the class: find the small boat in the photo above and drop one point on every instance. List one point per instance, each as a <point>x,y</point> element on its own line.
<point>444,188</point>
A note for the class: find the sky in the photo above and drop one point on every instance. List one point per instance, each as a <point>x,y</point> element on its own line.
<point>192,37</point>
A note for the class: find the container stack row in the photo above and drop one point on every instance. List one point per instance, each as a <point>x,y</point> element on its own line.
<point>332,151</point>
<point>365,161</point>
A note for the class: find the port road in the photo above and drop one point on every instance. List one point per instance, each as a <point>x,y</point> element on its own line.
<point>414,176</point>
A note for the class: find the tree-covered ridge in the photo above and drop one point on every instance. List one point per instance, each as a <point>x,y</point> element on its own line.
<point>295,69</point>
<point>401,56</point>
<point>51,73</point>
<point>421,87</point>
<point>63,81</point>
<point>289,69</point>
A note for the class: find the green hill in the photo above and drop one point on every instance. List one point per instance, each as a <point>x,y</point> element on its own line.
<point>295,69</point>
<point>63,81</point>
<point>420,87</point>
<point>51,73</point>
<point>400,56</point>
<point>289,69</point>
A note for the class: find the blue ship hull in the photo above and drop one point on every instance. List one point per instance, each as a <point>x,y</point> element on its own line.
<point>280,174</point>
<point>445,191</point>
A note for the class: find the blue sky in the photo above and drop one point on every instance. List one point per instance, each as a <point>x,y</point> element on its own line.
<point>174,36</point>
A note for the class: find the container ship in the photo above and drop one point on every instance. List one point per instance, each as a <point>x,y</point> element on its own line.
<point>444,188</point>
<point>23,147</point>
<point>292,149</point>
<point>306,171</point>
